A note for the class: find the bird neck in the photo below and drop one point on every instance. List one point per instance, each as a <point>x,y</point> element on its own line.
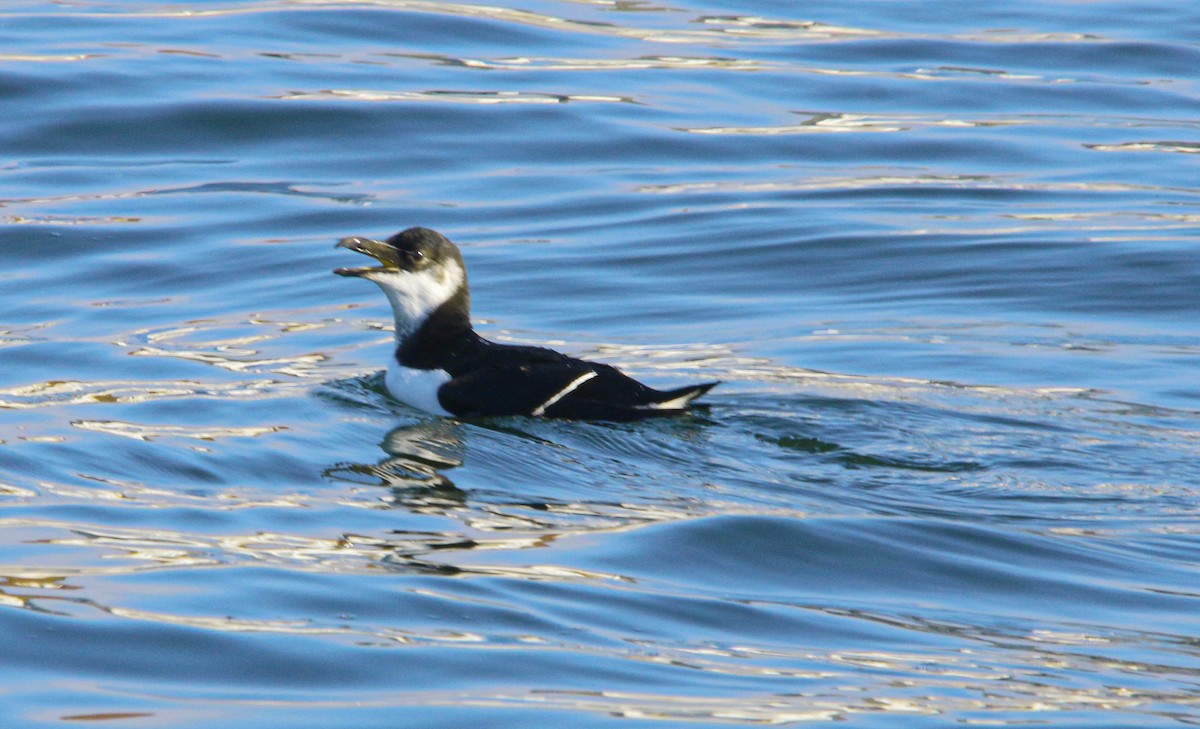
<point>439,339</point>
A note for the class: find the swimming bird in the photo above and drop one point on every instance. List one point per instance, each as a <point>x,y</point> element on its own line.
<point>442,366</point>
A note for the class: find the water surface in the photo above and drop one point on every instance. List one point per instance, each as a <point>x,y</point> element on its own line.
<point>942,258</point>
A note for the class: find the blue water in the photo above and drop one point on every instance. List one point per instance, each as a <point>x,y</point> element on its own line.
<point>943,257</point>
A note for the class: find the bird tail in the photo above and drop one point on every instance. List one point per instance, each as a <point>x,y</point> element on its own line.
<point>679,398</point>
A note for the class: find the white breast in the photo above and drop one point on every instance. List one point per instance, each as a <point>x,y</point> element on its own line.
<point>416,388</point>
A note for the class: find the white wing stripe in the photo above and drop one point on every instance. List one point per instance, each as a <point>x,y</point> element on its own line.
<point>678,403</point>
<point>575,383</point>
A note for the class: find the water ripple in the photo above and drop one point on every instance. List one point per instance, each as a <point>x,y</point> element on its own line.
<point>942,262</point>
<point>461,97</point>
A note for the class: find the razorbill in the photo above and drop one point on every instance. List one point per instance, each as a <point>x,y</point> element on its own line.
<point>443,367</point>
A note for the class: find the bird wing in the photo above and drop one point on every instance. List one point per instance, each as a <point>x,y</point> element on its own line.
<point>540,382</point>
<point>530,388</point>
<point>552,386</point>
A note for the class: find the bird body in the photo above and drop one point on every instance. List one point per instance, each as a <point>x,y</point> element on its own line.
<point>442,366</point>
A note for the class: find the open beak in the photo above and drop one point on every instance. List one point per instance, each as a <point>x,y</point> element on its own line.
<point>380,251</point>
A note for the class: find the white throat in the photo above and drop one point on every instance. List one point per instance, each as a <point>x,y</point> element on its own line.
<point>414,295</point>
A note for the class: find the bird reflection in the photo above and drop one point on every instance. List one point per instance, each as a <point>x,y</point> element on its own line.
<point>418,456</point>
<point>414,474</point>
